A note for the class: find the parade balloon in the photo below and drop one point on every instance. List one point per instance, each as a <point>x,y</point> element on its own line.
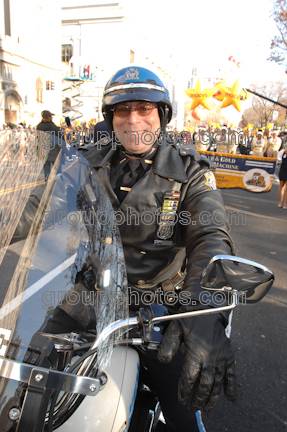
<point>199,113</point>
<point>233,60</point>
<point>219,95</point>
<point>223,89</point>
<point>200,96</point>
<point>232,97</point>
<point>194,115</point>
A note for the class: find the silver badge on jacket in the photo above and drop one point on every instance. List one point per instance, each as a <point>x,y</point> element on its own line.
<point>165,231</point>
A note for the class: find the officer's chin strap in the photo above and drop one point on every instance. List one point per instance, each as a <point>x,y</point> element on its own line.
<point>163,112</point>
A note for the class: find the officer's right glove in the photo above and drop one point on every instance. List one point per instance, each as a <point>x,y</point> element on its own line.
<point>208,361</point>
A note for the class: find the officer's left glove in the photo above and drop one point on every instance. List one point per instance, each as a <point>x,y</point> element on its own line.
<point>208,361</point>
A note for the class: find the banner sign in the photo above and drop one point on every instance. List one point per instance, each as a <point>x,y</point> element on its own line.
<point>239,171</point>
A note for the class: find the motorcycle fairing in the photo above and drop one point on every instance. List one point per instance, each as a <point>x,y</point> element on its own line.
<point>66,218</point>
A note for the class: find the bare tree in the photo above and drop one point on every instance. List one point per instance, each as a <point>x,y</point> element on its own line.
<point>261,111</point>
<point>279,43</point>
<point>249,116</point>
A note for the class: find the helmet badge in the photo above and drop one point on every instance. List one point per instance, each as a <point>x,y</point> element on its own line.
<point>132,73</point>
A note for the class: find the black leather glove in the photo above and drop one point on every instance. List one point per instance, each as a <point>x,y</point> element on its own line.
<point>208,360</point>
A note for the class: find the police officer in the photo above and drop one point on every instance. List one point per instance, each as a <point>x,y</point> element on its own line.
<point>144,175</point>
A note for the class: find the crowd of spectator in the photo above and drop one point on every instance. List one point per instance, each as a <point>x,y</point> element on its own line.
<point>260,142</point>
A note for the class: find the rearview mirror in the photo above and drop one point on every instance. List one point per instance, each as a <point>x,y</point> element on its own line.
<point>227,273</point>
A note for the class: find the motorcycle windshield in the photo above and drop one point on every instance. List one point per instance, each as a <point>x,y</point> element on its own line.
<point>60,251</point>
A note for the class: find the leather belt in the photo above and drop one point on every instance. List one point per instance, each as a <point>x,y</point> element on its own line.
<point>171,284</point>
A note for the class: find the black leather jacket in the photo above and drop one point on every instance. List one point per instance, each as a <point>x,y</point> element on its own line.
<point>201,232</point>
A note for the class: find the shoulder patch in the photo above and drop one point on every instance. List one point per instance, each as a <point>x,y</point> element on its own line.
<point>210,180</point>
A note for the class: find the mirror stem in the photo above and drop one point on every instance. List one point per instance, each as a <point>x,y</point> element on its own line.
<point>200,312</point>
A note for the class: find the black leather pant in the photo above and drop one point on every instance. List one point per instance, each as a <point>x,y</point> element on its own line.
<point>164,381</point>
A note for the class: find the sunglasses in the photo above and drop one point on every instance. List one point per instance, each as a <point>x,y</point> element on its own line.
<point>142,109</point>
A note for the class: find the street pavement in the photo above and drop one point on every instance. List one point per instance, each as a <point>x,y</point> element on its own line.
<point>258,330</point>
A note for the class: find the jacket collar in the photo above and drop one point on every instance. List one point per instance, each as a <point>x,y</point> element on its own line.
<point>167,162</point>
<point>100,157</point>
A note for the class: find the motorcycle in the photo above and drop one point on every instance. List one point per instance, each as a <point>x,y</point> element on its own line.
<point>57,229</point>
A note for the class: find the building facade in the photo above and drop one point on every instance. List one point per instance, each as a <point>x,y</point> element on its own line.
<point>30,60</point>
<point>97,40</point>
